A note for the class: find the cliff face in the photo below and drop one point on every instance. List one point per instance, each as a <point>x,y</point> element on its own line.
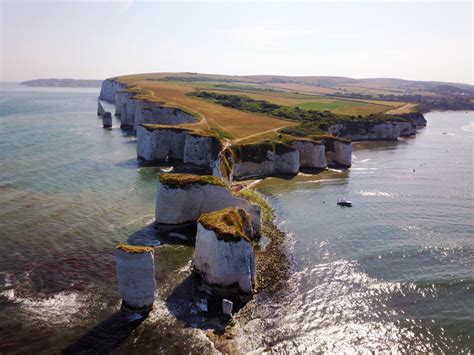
<point>165,143</point>
<point>109,89</point>
<point>187,201</point>
<point>365,131</point>
<point>153,113</point>
<point>368,131</point>
<point>100,108</point>
<point>133,112</point>
<point>338,152</point>
<point>224,256</point>
<point>407,129</point>
<point>162,144</point>
<point>261,160</point>
<point>201,150</point>
<point>312,154</point>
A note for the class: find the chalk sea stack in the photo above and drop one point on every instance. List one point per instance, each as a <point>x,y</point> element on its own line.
<point>183,198</point>
<point>224,256</point>
<point>135,268</point>
<point>107,119</point>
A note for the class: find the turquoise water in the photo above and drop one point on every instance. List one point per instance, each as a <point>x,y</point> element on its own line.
<point>394,272</point>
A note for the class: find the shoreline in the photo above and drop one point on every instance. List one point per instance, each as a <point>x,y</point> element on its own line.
<point>271,281</point>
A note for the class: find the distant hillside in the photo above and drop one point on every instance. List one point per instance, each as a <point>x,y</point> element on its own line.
<point>422,95</point>
<point>63,83</point>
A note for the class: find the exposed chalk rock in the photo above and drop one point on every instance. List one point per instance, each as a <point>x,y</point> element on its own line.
<point>312,154</point>
<point>154,113</point>
<point>227,307</point>
<point>135,268</point>
<point>100,108</point>
<point>161,144</point>
<point>263,159</point>
<point>107,119</point>
<point>127,113</point>
<point>223,167</point>
<point>415,117</point>
<point>407,129</point>
<point>201,150</point>
<point>182,198</point>
<point>224,256</point>
<point>109,88</point>
<point>366,131</point>
<point>343,153</point>
<point>338,151</point>
<point>120,100</point>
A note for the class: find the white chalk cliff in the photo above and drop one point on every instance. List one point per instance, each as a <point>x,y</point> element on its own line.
<point>187,201</point>
<point>312,154</point>
<point>135,268</point>
<point>224,262</point>
<point>133,112</point>
<point>366,131</point>
<point>267,160</point>
<point>164,143</point>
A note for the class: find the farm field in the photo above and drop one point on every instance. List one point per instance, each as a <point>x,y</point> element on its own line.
<point>345,107</point>
<point>231,123</point>
<point>307,93</point>
<point>303,100</point>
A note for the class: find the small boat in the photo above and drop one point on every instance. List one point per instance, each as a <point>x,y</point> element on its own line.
<point>344,202</point>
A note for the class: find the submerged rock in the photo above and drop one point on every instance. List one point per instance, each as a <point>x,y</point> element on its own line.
<point>224,256</point>
<point>135,268</point>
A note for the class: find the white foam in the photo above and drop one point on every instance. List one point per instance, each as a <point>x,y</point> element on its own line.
<point>376,193</point>
<point>468,128</point>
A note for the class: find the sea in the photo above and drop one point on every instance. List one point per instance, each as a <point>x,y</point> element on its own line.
<point>393,273</point>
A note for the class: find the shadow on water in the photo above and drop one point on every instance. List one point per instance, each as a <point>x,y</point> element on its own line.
<point>196,308</point>
<point>154,235</point>
<point>108,334</point>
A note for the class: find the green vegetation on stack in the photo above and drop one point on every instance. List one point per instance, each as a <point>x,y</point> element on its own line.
<point>185,181</point>
<point>227,224</point>
<point>252,196</point>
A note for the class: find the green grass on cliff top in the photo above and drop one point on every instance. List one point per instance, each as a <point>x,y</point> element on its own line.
<point>226,223</point>
<point>185,181</point>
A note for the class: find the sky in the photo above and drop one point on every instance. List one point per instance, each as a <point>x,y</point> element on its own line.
<point>360,39</point>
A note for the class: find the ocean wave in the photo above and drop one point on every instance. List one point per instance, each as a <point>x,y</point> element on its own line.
<point>468,128</point>
<point>320,180</point>
<point>376,193</point>
<point>55,309</point>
